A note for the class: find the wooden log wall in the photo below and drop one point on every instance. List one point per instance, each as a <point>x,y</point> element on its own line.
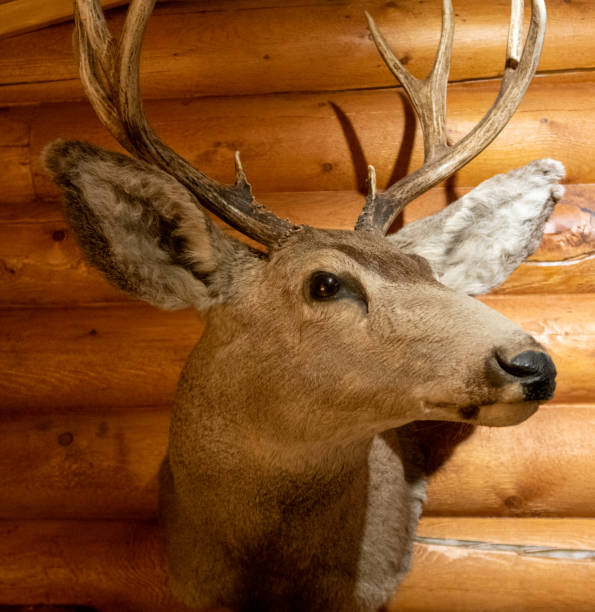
<point>88,374</point>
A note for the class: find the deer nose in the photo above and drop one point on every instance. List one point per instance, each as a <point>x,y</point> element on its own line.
<point>536,373</point>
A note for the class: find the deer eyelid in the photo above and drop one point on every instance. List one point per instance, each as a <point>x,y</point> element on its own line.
<point>349,287</point>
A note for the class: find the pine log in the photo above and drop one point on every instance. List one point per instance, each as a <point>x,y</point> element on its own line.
<point>18,16</point>
<point>245,47</point>
<point>105,358</point>
<point>40,263</point>
<point>117,567</point>
<point>82,466</point>
<point>79,466</point>
<point>467,566</point>
<point>324,141</point>
<point>539,468</point>
<point>114,566</point>
<point>16,179</point>
<point>125,356</point>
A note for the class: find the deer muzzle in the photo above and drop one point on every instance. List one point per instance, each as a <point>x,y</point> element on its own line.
<point>534,370</point>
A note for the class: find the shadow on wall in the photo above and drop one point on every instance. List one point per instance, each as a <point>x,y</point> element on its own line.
<point>402,161</point>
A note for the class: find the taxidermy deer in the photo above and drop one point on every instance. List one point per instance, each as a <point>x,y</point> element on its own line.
<point>295,472</point>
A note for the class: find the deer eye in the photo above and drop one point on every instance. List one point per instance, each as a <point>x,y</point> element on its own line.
<point>324,285</point>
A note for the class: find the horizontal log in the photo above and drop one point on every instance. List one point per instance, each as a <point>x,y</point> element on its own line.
<point>94,358</point>
<point>239,47</point>
<point>18,16</point>
<point>16,178</point>
<point>459,568</point>
<point>557,533</point>
<point>324,141</point>
<point>82,466</point>
<point>113,566</point>
<point>538,468</point>
<point>40,263</point>
<point>116,566</point>
<point>123,356</point>
<point>78,466</point>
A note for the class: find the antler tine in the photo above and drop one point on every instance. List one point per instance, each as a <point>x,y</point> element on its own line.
<point>515,32</point>
<point>442,159</point>
<point>95,50</point>
<point>428,96</point>
<point>110,73</point>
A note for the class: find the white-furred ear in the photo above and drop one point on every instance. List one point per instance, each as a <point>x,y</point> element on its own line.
<point>474,244</point>
<point>143,229</point>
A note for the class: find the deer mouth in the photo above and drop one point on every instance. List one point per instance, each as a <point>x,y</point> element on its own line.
<point>498,414</point>
<point>494,414</point>
<point>469,412</point>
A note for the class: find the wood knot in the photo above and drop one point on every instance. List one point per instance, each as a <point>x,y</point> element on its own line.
<point>65,439</point>
<point>514,503</point>
<point>58,235</point>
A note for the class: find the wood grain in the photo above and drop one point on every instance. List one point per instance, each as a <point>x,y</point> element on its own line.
<point>323,142</point>
<point>93,359</point>
<point>125,356</point>
<point>116,566</point>
<point>18,16</point>
<point>470,577</point>
<point>40,263</point>
<point>82,466</point>
<point>556,533</point>
<point>16,178</point>
<point>105,466</point>
<point>538,468</point>
<point>197,49</point>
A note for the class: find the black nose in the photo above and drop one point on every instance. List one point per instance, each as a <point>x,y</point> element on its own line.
<point>536,371</point>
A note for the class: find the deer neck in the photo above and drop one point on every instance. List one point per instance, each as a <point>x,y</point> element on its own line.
<point>235,407</point>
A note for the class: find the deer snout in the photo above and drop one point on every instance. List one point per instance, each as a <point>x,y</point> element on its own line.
<point>535,371</point>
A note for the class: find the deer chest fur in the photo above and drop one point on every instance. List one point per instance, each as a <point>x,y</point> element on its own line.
<point>316,541</point>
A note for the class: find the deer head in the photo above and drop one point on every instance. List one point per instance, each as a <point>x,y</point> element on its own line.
<point>323,338</point>
<point>357,317</point>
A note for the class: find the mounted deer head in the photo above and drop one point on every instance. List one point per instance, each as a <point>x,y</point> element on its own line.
<point>291,480</point>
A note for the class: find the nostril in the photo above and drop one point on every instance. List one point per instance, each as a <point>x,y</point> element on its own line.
<point>527,363</point>
<point>536,371</point>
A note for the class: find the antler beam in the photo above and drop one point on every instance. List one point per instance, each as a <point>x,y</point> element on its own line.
<point>110,73</point>
<point>428,97</point>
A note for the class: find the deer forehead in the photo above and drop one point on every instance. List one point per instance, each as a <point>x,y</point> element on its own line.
<point>366,255</point>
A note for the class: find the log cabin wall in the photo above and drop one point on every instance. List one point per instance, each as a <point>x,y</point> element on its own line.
<point>298,88</point>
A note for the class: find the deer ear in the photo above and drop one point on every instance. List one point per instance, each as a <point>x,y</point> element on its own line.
<point>474,244</point>
<point>143,229</point>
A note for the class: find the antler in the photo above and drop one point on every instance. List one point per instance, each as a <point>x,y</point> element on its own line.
<point>110,75</point>
<point>428,97</point>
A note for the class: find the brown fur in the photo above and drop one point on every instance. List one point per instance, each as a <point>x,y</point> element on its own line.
<point>295,474</point>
